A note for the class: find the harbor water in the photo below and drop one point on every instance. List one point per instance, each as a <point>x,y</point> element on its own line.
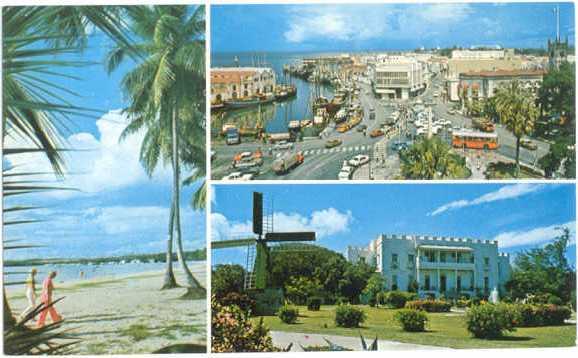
<point>274,117</point>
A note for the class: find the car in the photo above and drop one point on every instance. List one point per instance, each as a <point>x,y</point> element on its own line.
<point>238,176</point>
<point>399,146</point>
<point>376,133</point>
<point>333,143</point>
<point>345,173</point>
<point>283,145</point>
<point>359,160</point>
<point>361,127</point>
<point>528,144</point>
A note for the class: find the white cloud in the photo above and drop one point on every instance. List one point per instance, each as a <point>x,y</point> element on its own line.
<point>505,192</point>
<point>372,21</point>
<point>537,236</point>
<point>324,222</point>
<point>101,164</point>
<point>117,220</point>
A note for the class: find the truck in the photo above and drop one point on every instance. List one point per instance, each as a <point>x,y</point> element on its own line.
<point>232,136</point>
<point>483,124</point>
<point>287,162</point>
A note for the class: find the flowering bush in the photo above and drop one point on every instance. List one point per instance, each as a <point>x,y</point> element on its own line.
<point>349,316</point>
<point>412,320</point>
<point>492,320</point>
<point>314,303</point>
<point>429,305</point>
<point>288,314</point>
<point>232,331</point>
<point>542,315</point>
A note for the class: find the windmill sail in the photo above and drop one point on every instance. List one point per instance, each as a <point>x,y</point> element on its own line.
<point>223,244</point>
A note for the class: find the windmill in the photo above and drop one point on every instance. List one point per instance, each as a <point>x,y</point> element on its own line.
<point>258,259</point>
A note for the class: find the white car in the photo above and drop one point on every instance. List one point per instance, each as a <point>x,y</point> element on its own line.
<point>238,176</point>
<point>345,173</point>
<point>359,160</point>
<point>283,145</point>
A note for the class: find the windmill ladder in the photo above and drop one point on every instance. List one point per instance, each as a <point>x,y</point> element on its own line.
<point>249,268</point>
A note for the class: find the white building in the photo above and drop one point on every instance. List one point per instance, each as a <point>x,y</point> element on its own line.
<point>482,54</point>
<point>440,266</point>
<point>398,77</point>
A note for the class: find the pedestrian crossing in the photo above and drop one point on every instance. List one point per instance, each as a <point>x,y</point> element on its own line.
<point>346,149</point>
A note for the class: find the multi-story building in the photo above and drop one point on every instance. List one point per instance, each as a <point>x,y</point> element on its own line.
<point>484,84</point>
<point>439,266</point>
<point>482,54</point>
<point>228,83</point>
<point>398,77</point>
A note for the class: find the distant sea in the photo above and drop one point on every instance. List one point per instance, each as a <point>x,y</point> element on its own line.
<point>277,115</point>
<point>71,272</point>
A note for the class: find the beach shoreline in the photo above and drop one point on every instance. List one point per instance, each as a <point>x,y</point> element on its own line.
<point>126,313</point>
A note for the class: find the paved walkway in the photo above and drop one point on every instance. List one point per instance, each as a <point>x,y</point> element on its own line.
<point>283,339</point>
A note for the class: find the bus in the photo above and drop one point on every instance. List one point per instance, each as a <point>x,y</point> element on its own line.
<point>470,139</point>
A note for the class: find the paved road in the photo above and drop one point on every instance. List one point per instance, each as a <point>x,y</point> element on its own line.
<point>283,339</point>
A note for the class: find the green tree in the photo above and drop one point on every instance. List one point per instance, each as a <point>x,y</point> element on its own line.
<point>560,151</point>
<point>375,285</point>
<point>298,289</point>
<point>226,279</point>
<point>557,95</point>
<point>544,270</point>
<point>517,111</point>
<point>431,159</point>
<point>162,88</point>
<point>354,280</point>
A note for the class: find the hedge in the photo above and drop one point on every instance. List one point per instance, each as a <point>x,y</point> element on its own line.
<point>429,305</point>
<point>349,316</point>
<point>412,320</point>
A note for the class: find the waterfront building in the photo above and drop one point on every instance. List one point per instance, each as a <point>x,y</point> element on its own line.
<point>398,77</point>
<point>437,266</point>
<point>229,83</point>
<point>483,54</point>
<point>484,84</point>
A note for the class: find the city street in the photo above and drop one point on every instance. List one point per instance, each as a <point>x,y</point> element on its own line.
<point>321,163</point>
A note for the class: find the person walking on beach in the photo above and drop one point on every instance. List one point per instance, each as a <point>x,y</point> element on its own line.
<point>30,293</point>
<point>46,299</point>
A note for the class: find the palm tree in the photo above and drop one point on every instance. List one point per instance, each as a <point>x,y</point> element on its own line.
<point>517,110</point>
<point>430,159</point>
<point>164,91</point>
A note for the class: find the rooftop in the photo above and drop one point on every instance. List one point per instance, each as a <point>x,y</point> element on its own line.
<point>504,73</point>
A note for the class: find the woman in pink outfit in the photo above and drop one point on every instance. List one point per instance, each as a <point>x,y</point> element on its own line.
<point>46,299</point>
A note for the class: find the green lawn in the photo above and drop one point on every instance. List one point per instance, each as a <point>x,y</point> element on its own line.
<point>444,329</point>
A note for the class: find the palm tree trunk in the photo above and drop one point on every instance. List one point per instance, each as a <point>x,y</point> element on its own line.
<point>9,320</point>
<point>169,280</point>
<point>517,156</point>
<point>195,288</point>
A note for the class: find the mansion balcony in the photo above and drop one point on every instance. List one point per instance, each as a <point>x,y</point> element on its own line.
<point>448,265</point>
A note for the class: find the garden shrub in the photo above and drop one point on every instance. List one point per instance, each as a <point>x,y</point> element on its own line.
<point>411,320</point>
<point>397,299</point>
<point>542,315</point>
<point>491,320</point>
<point>429,305</point>
<point>314,303</point>
<point>349,316</point>
<point>288,314</point>
<point>241,300</point>
<point>232,331</point>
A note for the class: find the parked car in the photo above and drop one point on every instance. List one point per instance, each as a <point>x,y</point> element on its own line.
<point>376,133</point>
<point>399,146</point>
<point>359,160</point>
<point>361,127</point>
<point>528,144</point>
<point>333,143</point>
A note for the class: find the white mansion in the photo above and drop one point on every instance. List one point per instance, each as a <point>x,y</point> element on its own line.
<point>440,266</point>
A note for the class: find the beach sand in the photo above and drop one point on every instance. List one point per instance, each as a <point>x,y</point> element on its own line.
<point>127,314</point>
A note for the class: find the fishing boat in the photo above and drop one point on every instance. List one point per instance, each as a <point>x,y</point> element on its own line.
<point>284,91</point>
<point>249,101</point>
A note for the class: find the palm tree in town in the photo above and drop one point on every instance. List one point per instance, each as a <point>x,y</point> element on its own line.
<point>430,159</point>
<point>516,109</point>
<point>165,91</point>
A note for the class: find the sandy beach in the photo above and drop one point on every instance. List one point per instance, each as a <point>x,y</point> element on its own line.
<point>127,314</point>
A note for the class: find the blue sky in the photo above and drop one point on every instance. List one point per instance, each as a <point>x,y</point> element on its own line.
<point>118,210</point>
<point>363,27</point>
<point>519,216</point>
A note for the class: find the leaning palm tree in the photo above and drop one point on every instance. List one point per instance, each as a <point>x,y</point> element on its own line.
<point>163,88</point>
<point>516,109</point>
